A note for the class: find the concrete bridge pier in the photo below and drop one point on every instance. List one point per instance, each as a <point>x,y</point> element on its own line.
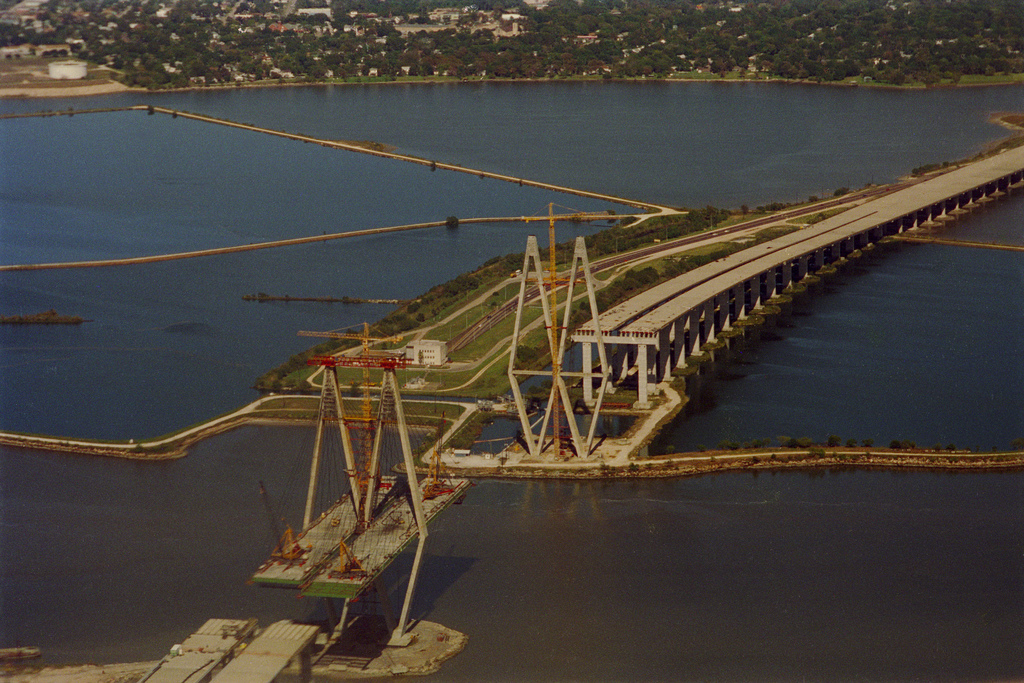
<point>621,361</point>
<point>645,374</point>
<point>722,322</point>
<point>680,340</point>
<point>766,282</point>
<point>923,216</point>
<point>799,268</point>
<point>708,328</point>
<point>694,339</point>
<point>783,276</point>
<point>753,294</point>
<point>666,361</point>
<point>737,302</point>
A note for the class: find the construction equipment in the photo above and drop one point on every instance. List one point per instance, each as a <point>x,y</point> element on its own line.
<point>346,548</point>
<point>435,485</point>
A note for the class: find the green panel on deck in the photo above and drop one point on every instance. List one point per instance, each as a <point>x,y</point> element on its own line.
<point>275,583</point>
<point>334,589</point>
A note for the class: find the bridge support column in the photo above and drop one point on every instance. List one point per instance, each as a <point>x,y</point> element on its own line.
<point>615,360</point>
<point>709,331</point>
<point>799,268</point>
<point>722,317</point>
<point>694,340</point>
<point>680,344</point>
<point>735,301</point>
<point>632,352</point>
<point>783,276</point>
<point>665,360</point>
<point>753,294</point>
<point>642,385</point>
<point>815,260</point>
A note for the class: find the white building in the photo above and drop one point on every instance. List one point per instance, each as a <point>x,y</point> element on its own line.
<point>427,352</point>
<point>67,70</point>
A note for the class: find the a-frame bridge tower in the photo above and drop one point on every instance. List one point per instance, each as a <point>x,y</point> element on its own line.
<point>536,282</point>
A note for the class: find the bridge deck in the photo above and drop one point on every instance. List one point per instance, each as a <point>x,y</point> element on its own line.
<point>393,528</point>
<point>379,545</point>
<point>651,311</point>
<point>320,541</point>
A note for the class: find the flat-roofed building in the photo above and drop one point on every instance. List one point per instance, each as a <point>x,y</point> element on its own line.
<point>427,352</point>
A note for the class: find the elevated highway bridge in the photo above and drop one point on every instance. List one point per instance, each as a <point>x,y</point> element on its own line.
<point>659,329</point>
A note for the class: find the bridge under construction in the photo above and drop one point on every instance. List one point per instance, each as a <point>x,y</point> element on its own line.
<point>384,504</point>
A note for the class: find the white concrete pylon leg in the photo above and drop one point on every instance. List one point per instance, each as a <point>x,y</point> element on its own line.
<point>588,385</point>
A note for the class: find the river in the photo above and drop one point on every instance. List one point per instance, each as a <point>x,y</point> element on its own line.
<point>827,576</point>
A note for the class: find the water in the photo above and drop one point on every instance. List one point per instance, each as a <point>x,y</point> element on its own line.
<point>125,558</point>
<point>172,343</point>
<point>824,576</point>
<point>827,576</point>
<point>831,576</point>
<point>682,143</point>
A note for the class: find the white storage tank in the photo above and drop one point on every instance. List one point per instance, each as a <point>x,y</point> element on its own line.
<point>67,70</point>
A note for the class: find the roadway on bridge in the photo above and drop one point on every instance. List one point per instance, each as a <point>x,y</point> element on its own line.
<point>650,311</point>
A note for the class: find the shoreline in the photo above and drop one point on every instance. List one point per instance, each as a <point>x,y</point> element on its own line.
<point>668,466</point>
<point>46,91</point>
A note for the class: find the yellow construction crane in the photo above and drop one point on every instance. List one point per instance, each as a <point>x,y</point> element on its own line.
<point>435,484</point>
<point>363,360</point>
<point>365,341</point>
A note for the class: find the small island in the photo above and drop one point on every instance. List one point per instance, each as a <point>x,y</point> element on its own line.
<point>50,317</point>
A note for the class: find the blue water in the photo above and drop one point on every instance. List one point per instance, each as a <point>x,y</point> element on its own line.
<point>128,184</point>
<point>682,143</point>
<point>170,344</point>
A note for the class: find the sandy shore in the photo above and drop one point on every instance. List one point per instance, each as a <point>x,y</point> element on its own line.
<point>30,91</point>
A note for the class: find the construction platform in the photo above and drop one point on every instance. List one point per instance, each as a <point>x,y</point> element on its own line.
<point>315,571</point>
